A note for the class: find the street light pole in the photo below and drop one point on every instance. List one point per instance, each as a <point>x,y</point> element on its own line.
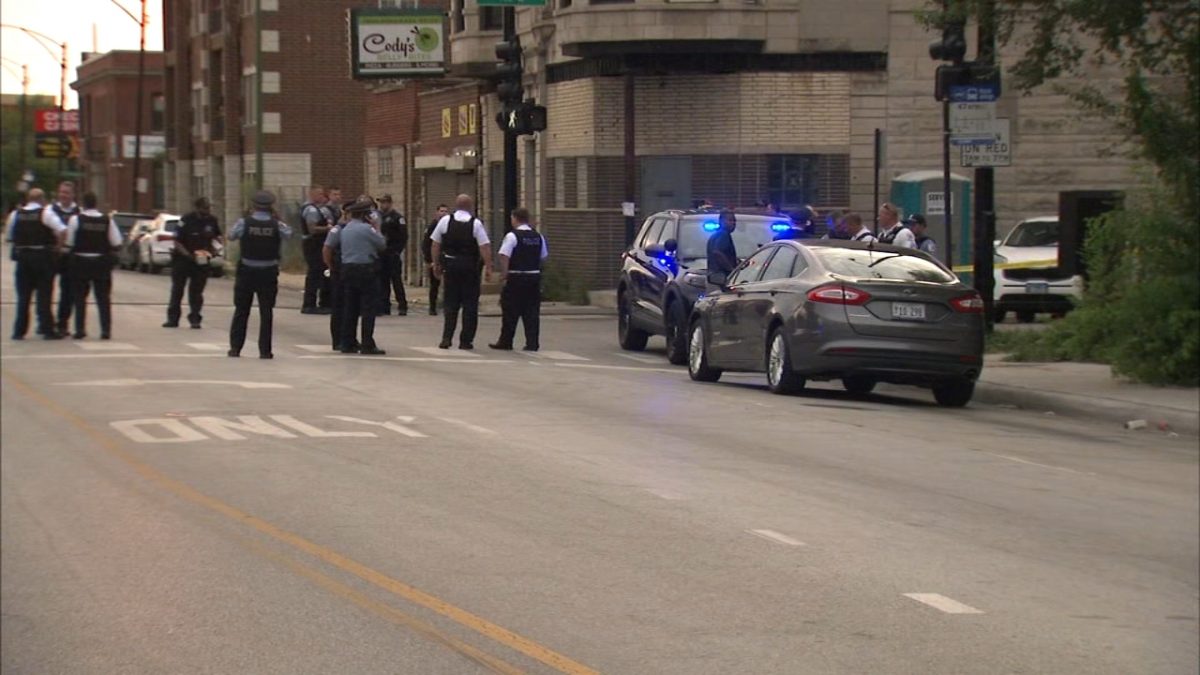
<point>137,125</point>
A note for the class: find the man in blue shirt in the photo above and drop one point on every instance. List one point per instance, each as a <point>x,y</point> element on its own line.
<point>358,245</point>
<point>261,235</point>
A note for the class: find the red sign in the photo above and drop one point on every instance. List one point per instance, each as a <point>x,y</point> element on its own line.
<point>46,121</point>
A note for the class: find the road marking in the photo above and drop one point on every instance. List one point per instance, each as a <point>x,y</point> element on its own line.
<point>941,602</point>
<point>772,535</point>
<point>313,432</point>
<point>640,358</point>
<point>226,430</point>
<point>673,371</point>
<point>390,426</point>
<point>1044,466</point>
<point>435,351</point>
<point>315,348</point>
<point>132,382</point>
<point>398,588</point>
<point>666,494</point>
<point>207,346</point>
<point>106,346</point>
<point>138,430</point>
<point>412,359</point>
<point>555,356</point>
<point>118,355</point>
<point>467,425</point>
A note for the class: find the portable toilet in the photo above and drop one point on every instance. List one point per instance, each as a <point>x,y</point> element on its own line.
<point>922,192</point>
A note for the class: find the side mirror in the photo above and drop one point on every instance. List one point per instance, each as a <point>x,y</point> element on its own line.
<point>670,246</point>
<point>996,243</point>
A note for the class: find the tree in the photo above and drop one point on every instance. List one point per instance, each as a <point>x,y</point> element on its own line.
<point>45,171</point>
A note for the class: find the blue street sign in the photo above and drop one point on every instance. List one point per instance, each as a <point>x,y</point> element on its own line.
<point>983,92</point>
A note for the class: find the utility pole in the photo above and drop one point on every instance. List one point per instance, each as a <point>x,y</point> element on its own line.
<point>137,125</point>
<point>951,47</point>
<point>985,193</point>
<point>62,115</point>
<point>510,134</point>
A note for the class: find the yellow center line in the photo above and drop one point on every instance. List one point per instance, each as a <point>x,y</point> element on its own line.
<point>476,623</point>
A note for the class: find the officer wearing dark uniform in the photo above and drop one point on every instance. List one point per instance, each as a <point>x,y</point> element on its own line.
<point>358,244</point>
<point>391,270</point>
<point>194,247</point>
<point>34,243</point>
<point>722,253</point>
<point>801,228</point>
<point>57,215</point>
<point>93,240</point>
<point>316,218</point>
<point>261,235</point>
<point>460,247</point>
<point>435,283</point>
<point>521,256</point>
<point>333,271</point>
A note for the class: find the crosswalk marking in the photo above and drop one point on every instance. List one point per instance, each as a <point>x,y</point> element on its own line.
<point>207,346</point>
<point>556,356</point>
<point>106,346</point>
<point>315,348</point>
<point>640,358</point>
<point>454,353</point>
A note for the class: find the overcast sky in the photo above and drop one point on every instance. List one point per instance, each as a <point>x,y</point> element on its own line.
<point>70,21</point>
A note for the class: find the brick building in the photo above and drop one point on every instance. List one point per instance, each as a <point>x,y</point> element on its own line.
<point>312,112</point>
<point>107,86</point>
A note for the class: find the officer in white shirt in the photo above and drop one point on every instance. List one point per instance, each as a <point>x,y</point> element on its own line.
<point>521,256</point>
<point>93,238</point>
<point>56,216</point>
<point>35,239</point>
<point>460,247</point>
<point>891,230</point>
<point>853,226</point>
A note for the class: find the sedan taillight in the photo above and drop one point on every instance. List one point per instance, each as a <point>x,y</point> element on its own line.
<point>839,295</point>
<point>164,237</point>
<point>968,304</point>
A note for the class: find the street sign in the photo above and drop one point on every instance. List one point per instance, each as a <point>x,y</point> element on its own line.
<point>935,203</point>
<point>46,121</point>
<point>392,43</point>
<point>972,123</point>
<point>985,92</point>
<point>512,3</point>
<point>152,146</point>
<point>56,146</point>
<point>996,153</point>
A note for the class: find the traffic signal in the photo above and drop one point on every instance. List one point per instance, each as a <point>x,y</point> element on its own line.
<point>510,72</point>
<point>526,118</point>
<point>953,45</point>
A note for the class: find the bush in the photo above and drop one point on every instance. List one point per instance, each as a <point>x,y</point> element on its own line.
<point>559,285</point>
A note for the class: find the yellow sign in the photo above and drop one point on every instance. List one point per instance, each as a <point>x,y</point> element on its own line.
<point>463,125</point>
<point>472,114</point>
<point>447,123</point>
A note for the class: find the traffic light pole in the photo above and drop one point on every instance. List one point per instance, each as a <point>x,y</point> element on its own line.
<point>946,182</point>
<point>510,137</point>
<point>985,192</point>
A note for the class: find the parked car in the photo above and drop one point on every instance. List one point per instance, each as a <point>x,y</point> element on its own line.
<point>156,243</point>
<point>665,271</point>
<point>127,225</point>
<point>861,313</point>
<point>1028,291</point>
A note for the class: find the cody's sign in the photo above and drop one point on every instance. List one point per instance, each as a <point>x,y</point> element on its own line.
<point>397,43</point>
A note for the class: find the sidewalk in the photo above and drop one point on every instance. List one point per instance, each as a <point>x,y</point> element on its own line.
<point>1087,390</point>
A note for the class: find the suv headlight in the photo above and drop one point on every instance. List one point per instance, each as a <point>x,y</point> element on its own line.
<point>696,279</point>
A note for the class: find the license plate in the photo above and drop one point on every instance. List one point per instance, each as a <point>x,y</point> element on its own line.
<point>1037,287</point>
<point>908,310</point>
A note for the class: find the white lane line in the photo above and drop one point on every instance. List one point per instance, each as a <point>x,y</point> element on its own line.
<point>666,494</point>
<point>673,371</point>
<point>555,356</point>
<point>315,348</point>
<point>1044,466</point>
<point>106,346</point>
<point>772,535</point>
<point>941,602</point>
<point>467,425</point>
<point>119,355</point>
<point>208,346</point>
<point>141,383</point>
<point>441,353</point>
<point>417,359</point>
<point>640,358</point>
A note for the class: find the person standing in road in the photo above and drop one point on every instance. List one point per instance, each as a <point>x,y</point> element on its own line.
<point>892,231</point>
<point>395,230</point>
<point>262,236</point>
<point>521,254</point>
<point>337,304</point>
<point>93,240</point>
<point>56,216</point>
<point>195,245</point>
<point>916,223</point>
<point>34,242</point>
<point>853,226</point>
<point>722,254</point>
<point>802,226</point>
<point>316,219</point>
<point>427,253</point>
<point>358,244</point>
<point>460,247</point>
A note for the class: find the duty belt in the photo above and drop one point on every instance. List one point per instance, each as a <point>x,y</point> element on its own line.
<point>524,271</point>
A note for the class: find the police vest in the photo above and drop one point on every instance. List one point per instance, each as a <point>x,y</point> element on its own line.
<point>92,235</point>
<point>64,214</point>
<point>527,254</point>
<point>459,239</point>
<point>261,240</point>
<point>28,230</point>
<point>890,236</point>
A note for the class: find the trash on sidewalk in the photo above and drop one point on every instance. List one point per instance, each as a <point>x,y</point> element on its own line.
<point>1135,425</point>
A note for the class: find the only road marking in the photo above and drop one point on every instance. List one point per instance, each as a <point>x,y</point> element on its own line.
<point>772,535</point>
<point>941,602</point>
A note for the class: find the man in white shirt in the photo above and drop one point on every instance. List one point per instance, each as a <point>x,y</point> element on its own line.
<point>35,239</point>
<point>92,238</point>
<point>460,246</point>
<point>521,256</point>
<point>56,216</point>
<point>852,224</point>
<point>891,230</point>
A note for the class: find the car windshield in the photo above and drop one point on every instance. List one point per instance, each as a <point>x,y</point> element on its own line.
<point>1034,233</point>
<point>865,264</point>
<point>751,234</point>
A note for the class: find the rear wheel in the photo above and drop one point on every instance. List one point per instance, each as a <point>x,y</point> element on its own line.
<point>954,394</point>
<point>781,379</point>
<point>858,385</point>
<point>1000,315</point>
<point>677,335</point>
<point>1026,316</point>
<point>632,339</point>
<point>697,360</point>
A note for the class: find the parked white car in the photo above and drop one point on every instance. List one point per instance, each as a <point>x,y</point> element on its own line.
<point>1030,290</point>
<point>156,244</point>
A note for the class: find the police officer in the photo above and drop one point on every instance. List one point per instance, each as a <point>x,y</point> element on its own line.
<point>435,283</point>
<point>262,236</point>
<point>56,216</point>
<point>333,272</point>
<point>195,244</point>
<point>391,270</point>
<point>801,228</point>
<point>891,230</point>
<point>916,223</point>
<point>722,254</point>
<point>358,245</point>
<point>521,254</point>
<point>93,240</point>
<point>35,240</point>
<point>855,230</point>
<point>460,247</point>
<point>316,219</point>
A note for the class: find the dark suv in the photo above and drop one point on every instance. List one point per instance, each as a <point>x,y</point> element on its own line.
<point>664,272</point>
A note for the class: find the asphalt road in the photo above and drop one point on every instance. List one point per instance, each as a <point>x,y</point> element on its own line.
<point>168,509</point>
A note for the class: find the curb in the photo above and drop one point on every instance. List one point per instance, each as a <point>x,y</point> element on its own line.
<point>1108,411</point>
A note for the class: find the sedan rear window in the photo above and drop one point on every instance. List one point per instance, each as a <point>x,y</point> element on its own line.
<point>860,264</point>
